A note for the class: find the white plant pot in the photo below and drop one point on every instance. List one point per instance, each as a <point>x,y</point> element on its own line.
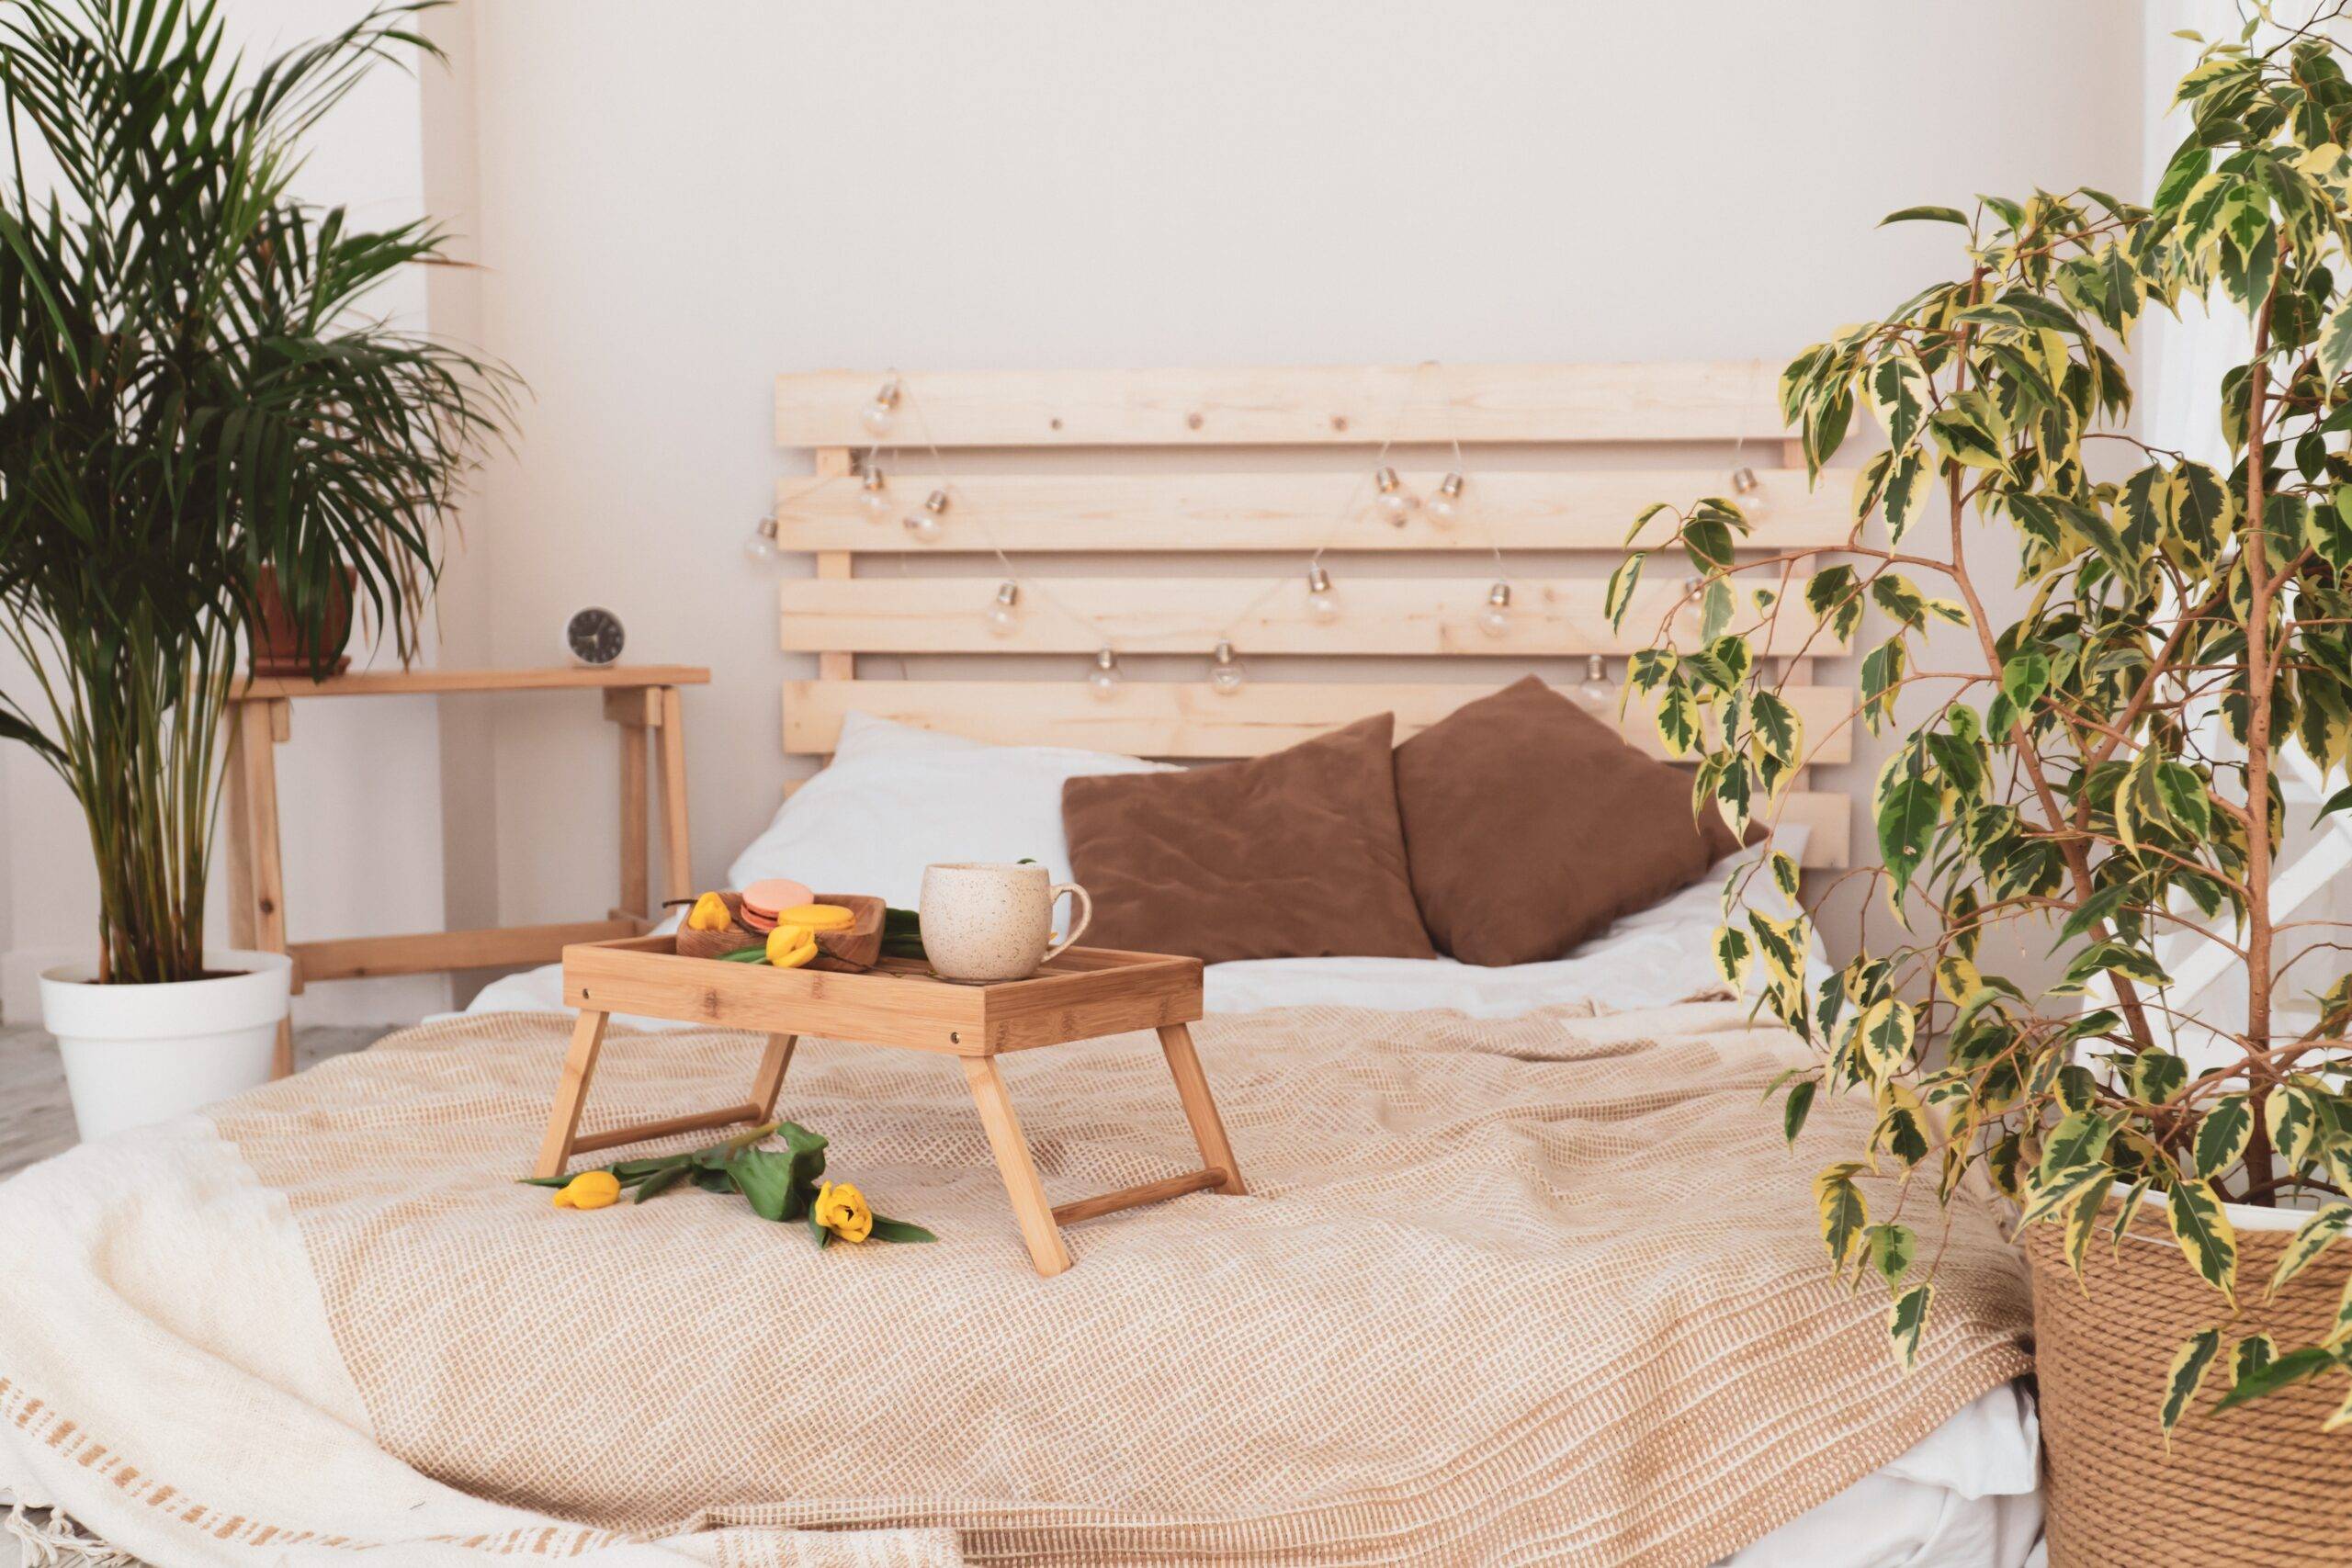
<point>140,1054</point>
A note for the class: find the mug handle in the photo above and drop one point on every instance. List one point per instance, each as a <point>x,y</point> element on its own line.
<point>1083,907</point>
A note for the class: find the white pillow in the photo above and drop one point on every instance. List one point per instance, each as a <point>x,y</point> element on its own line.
<point>897,798</point>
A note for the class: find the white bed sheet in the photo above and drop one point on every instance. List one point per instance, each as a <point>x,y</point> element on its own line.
<point>1655,958</point>
<point>1965,1496</point>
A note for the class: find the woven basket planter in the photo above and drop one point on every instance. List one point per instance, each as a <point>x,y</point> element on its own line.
<point>2258,1485</point>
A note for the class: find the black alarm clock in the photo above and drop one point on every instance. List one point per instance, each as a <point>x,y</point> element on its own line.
<point>593,636</point>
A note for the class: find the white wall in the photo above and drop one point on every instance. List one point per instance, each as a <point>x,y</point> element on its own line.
<point>673,204</point>
<point>676,210</point>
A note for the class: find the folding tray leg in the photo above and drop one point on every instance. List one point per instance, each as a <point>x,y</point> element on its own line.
<point>1046,1250</point>
<point>570,1094</point>
<point>773,1066</point>
<point>1200,1106</point>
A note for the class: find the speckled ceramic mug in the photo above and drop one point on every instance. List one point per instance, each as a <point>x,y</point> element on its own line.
<point>985,921</point>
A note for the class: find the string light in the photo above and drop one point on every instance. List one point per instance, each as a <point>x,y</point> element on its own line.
<point>1748,491</point>
<point>1103,678</point>
<point>1320,601</point>
<point>1226,673</point>
<point>1594,691</point>
<point>883,412</point>
<point>924,525</point>
<point>1003,614</point>
<point>1494,621</point>
<point>760,547</point>
<point>1445,506</point>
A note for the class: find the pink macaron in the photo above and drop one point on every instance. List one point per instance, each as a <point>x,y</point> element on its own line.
<point>768,898</point>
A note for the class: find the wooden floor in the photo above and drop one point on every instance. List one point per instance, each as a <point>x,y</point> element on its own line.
<point>35,1120</point>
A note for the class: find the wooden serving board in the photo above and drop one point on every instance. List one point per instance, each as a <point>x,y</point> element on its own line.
<point>854,950</point>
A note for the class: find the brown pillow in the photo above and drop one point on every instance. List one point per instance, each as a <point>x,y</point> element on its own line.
<point>1530,825</point>
<point>1291,855</point>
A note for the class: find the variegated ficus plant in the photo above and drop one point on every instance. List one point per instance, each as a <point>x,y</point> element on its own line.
<point>2101,771</point>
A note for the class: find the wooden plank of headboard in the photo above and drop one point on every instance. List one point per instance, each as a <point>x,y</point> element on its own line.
<point>1381,616</point>
<point>1158,718</point>
<point>1306,406</point>
<point>1506,509</point>
<point>1035,499</point>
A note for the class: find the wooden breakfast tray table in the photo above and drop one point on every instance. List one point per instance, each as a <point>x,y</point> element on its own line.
<point>1085,993</point>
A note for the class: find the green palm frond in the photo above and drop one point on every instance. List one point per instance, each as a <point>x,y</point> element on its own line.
<point>193,389</point>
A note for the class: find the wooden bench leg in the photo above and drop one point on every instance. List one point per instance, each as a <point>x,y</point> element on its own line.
<point>1021,1184</point>
<point>571,1095</point>
<point>770,1082</point>
<point>1200,1109</point>
<point>256,875</point>
<point>677,858</point>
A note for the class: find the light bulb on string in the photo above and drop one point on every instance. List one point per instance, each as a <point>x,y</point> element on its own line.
<point>1103,678</point>
<point>1595,690</point>
<point>1445,506</point>
<point>883,412</point>
<point>1226,673</point>
<point>1004,617</point>
<point>924,525</point>
<point>873,494</point>
<point>761,548</point>
<point>1748,491</point>
<point>1495,620</point>
<point>1397,503</point>
<point>1321,603</point>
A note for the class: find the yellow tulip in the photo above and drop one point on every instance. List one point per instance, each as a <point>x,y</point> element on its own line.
<point>709,914</point>
<point>842,1210</point>
<point>592,1189</point>
<point>789,947</point>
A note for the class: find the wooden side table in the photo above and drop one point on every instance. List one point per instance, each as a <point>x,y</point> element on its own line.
<point>1085,993</point>
<point>641,700</point>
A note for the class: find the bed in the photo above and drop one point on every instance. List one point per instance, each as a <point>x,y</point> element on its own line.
<point>397,1338</point>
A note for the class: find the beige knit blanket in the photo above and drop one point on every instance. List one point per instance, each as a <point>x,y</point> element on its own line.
<point>1543,1290</point>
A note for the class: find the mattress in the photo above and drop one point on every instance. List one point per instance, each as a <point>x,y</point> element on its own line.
<point>1968,1494</point>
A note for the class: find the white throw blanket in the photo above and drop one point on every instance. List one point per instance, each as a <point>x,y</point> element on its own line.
<point>168,1378</point>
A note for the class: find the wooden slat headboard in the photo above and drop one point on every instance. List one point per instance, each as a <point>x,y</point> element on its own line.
<point>1342,415</point>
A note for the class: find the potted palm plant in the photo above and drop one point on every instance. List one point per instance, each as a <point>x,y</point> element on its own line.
<point>2109,772</point>
<point>192,399</point>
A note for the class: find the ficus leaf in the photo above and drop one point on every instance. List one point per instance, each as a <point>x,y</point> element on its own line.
<point>2312,1237</point>
<point>2205,1235</point>
<point>2186,1376</point>
<point>1795,1109</point>
<point>1907,1320</point>
<point>1618,596</point>
<point>1926,215</point>
<point>1890,1248</point>
<point>2221,1137</point>
<point>1886,1034</point>
<point>2294,1367</point>
<point>1844,1214</point>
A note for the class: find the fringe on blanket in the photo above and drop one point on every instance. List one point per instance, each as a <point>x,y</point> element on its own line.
<point>46,1539</point>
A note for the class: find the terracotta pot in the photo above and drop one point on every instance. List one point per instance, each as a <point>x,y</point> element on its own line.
<point>281,645</point>
<point>2258,1485</point>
